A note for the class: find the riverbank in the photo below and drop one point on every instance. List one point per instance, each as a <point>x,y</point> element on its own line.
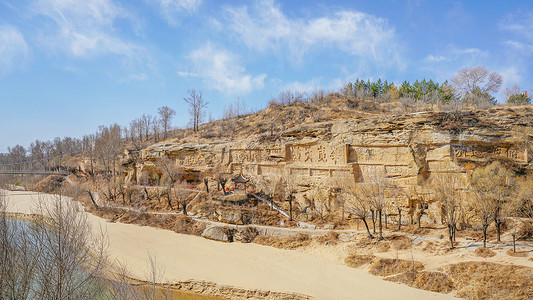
<point>246,267</point>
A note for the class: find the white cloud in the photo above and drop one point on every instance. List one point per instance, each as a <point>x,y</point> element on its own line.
<point>314,84</point>
<point>520,28</point>
<point>222,71</point>
<point>170,9</point>
<point>134,77</point>
<point>85,28</point>
<point>519,24</point>
<point>265,27</point>
<point>464,56</point>
<point>520,46</point>
<point>472,52</point>
<point>14,52</point>
<point>433,58</point>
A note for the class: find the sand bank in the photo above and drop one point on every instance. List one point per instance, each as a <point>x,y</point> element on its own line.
<point>246,266</point>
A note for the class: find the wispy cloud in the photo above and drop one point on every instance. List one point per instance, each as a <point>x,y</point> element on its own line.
<point>524,48</point>
<point>222,70</point>
<point>435,58</point>
<point>520,27</point>
<point>265,27</point>
<point>134,77</point>
<point>85,28</point>
<point>14,52</point>
<point>314,84</point>
<point>171,9</point>
<point>458,55</point>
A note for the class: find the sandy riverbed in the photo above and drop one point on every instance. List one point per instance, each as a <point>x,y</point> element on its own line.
<point>247,266</point>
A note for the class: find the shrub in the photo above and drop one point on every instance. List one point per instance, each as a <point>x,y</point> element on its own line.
<point>484,280</point>
<point>429,281</point>
<point>357,260</point>
<point>391,266</point>
<point>484,252</point>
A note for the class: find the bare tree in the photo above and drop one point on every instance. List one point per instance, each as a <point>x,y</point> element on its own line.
<point>183,195</point>
<point>166,114</point>
<point>286,187</point>
<point>221,177</point>
<point>269,187</point>
<point>446,190</point>
<point>496,184</point>
<point>156,123</point>
<point>17,157</point>
<point>477,80</point>
<point>484,209</point>
<point>172,174</point>
<point>197,105</point>
<point>58,257</point>
<point>375,191</point>
<point>420,198</point>
<point>148,121</point>
<point>320,202</point>
<point>516,96</point>
<point>357,202</point>
<point>108,147</point>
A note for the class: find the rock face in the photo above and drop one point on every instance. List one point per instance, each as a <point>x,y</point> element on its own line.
<point>408,150</point>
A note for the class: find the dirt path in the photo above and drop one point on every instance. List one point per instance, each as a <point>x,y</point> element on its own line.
<point>248,266</point>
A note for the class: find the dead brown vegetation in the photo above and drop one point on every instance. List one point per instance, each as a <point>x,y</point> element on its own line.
<point>291,242</point>
<point>357,260</point>
<point>484,280</point>
<point>391,266</point>
<point>50,184</point>
<point>429,281</point>
<point>177,223</point>
<point>332,237</point>
<point>484,252</point>
<point>400,242</point>
<point>382,247</point>
<point>517,253</point>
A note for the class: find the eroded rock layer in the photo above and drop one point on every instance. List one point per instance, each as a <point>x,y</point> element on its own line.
<point>407,150</point>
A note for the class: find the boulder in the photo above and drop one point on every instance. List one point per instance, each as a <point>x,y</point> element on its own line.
<point>217,234</point>
<point>230,216</point>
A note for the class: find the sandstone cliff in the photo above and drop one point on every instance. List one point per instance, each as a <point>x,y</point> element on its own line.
<point>408,150</point>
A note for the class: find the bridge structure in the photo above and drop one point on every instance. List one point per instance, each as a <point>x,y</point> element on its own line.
<point>27,169</point>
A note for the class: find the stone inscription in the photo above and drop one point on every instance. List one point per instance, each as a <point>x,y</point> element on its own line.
<point>462,151</point>
<point>253,155</point>
<point>379,155</point>
<point>187,159</point>
<point>317,154</point>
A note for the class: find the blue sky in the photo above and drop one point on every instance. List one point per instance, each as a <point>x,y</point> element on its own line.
<point>68,66</point>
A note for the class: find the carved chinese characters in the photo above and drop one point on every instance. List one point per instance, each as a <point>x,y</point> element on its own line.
<point>317,154</point>
<point>482,152</point>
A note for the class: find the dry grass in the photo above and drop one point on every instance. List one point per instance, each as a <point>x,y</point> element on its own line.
<point>525,230</point>
<point>484,252</point>
<point>517,253</point>
<point>365,242</point>
<point>291,242</point>
<point>177,223</point>
<point>484,280</point>
<point>50,184</point>
<point>430,281</point>
<point>430,246</point>
<point>357,260</point>
<point>400,242</point>
<point>391,266</point>
<point>331,237</point>
<point>381,247</point>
